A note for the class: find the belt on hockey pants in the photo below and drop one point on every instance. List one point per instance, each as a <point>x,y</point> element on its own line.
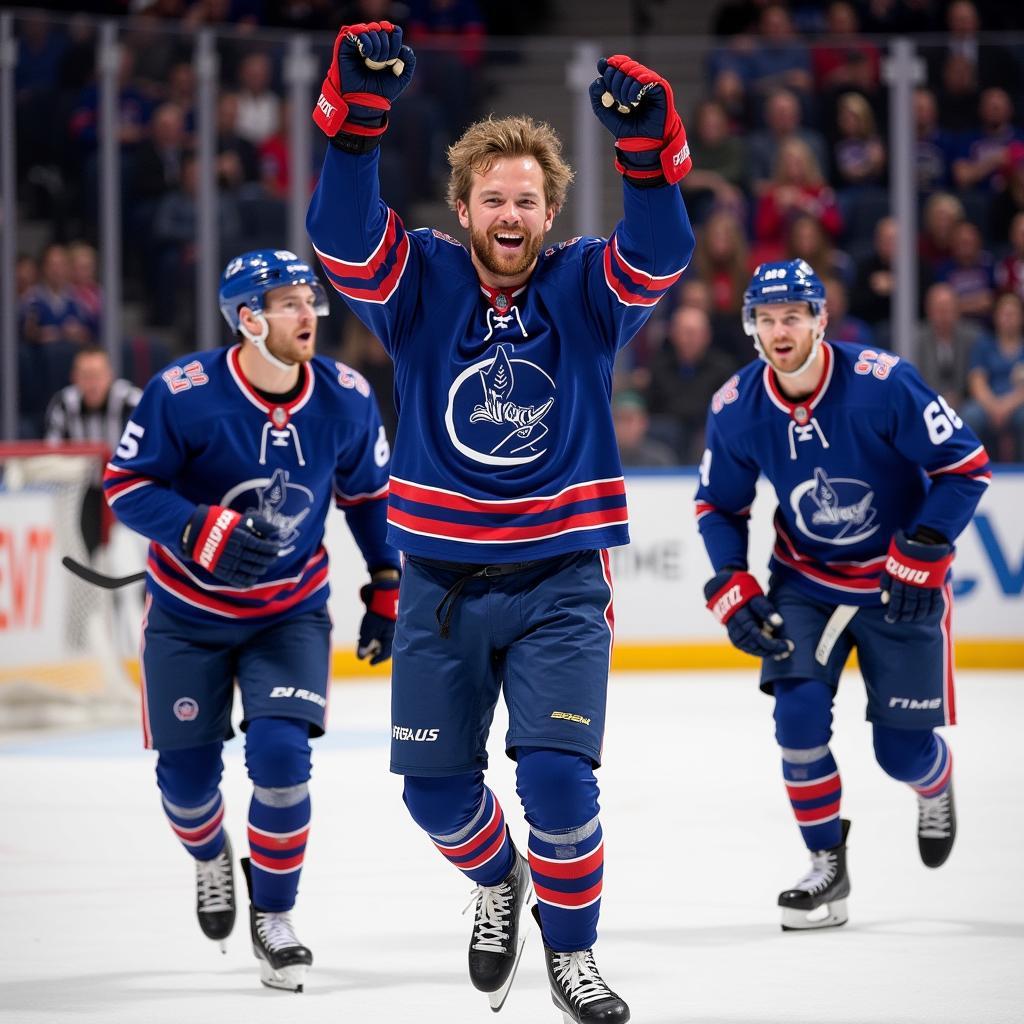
<point>467,571</point>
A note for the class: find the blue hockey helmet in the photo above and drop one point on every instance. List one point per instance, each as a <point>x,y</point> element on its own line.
<point>248,278</point>
<point>784,281</point>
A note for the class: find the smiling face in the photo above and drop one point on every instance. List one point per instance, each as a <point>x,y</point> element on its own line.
<point>507,218</point>
<point>786,331</point>
<point>291,317</point>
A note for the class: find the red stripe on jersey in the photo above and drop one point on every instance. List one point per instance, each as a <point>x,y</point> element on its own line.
<point>622,293</point>
<point>383,291</point>
<point>491,534</point>
<point>367,270</point>
<point>568,900</point>
<point>615,487</point>
<point>642,278</point>
<point>350,500</point>
<point>800,791</point>
<point>278,841</point>
<point>578,867</point>
<point>967,466</point>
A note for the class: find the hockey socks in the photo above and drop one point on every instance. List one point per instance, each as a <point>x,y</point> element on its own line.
<point>814,788</point>
<point>481,849</point>
<point>939,775</point>
<point>200,829</point>
<point>278,829</point>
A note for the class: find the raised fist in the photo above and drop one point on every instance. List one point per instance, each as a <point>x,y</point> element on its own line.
<point>637,106</point>
<point>369,70</point>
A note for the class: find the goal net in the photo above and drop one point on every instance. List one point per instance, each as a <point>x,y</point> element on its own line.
<point>64,649</point>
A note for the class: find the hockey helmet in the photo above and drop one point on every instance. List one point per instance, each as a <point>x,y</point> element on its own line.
<point>248,278</point>
<point>785,281</point>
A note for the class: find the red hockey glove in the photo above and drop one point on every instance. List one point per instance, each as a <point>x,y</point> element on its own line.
<point>915,571</point>
<point>377,630</point>
<point>735,598</point>
<point>636,105</point>
<point>235,550</point>
<point>369,70</point>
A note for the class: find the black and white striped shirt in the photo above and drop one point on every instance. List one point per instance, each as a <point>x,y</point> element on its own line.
<point>68,420</point>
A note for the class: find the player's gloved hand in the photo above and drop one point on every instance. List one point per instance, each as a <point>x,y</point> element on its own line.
<point>377,630</point>
<point>369,70</point>
<point>636,105</point>
<point>915,570</point>
<point>735,598</point>
<point>236,550</point>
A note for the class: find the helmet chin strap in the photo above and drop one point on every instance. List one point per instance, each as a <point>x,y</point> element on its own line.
<point>818,338</point>
<point>259,342</point>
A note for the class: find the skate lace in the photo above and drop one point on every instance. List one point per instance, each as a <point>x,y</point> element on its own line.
<point>493,910</point>
<point>578,977</point>
<point>275,931</point>
<point>933,817</point>
<point>213,884</point>
<point>822,873</point>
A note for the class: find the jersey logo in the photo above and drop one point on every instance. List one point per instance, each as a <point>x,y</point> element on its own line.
<point>496,410</point>
<point>285,505</point>
<point>834,511</point>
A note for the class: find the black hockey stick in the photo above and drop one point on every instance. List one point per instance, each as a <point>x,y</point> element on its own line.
<point>97,579</point>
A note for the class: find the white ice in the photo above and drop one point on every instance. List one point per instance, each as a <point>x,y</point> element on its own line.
<point>97,922</point>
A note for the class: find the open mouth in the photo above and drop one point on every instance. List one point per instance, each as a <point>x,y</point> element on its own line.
<point>508,241</point>
<point>305,336</point>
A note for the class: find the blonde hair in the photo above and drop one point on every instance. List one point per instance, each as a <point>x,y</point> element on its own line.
<point>812,171</point>
<point>861,109</point>
<point>493,138</point>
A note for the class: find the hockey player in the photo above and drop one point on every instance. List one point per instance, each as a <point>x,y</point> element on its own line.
<point>876,477</point>
<point>506,486</point>
<point>229,465</point>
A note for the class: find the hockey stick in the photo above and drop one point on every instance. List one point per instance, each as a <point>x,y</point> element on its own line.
<point>97,579</point>
<point>838,621</point>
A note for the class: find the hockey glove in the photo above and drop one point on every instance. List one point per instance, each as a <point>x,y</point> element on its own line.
<point>377,630</point>
<point>915,571</point>
<point>235,550</point>
<point>369,70</point>
<point>636,105</point>
<point>735,598</point>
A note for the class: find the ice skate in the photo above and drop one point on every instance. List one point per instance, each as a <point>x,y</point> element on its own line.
<point>215,895</point>
<point>499,933</point>
<point>826,886</point>
<point>283,959</point>
<point>936,827</point>
<point>578,989</point>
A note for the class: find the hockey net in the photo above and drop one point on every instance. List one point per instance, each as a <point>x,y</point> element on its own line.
<point>64,654</point>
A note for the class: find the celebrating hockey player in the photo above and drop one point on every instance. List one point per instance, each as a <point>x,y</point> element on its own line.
<point>876,477</point>
<point>229,465</point>
<point>506,488</point>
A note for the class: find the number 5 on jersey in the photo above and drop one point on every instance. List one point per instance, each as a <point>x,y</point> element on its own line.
<point>128,446</point>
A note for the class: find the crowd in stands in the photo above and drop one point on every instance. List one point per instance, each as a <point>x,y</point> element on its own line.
<point>791,159</point>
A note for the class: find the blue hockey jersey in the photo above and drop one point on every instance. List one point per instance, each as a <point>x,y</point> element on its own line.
<point>203,435</point>
<point>505,447</point>
<point>872,451</point>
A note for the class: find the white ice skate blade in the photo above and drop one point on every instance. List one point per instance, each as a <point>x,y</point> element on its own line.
<point>497,999</point>
<point>288,979</point>
<point>829,915</point>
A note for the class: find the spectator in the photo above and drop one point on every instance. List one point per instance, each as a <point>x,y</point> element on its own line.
<point>844,61</point>
<point>685,373</point>
<point>944,343</point>
<point>93,407</point>
<point>858,154</point>
<point>970,273</point>
<point>986,150</point>
<point>842,326</point>
<point>797,188</point>
<point>780,59</point>
<point>258,105</point>
<point>1010,201</point>
<point>940,216</point>
<point>26,276</point>
<point>782,123</point>
<point>727,334</point>
<point>636,447</point>
<point>722,260</point>
<point>871,298</point>
<point>133,109</point>
<point>1010,270</point>
<point>719,178</point>
<point>730,93</point>
<point>933,152</point>
<point>274,155</point>
<point>238,159</point>
<point>995,383</point>
<point>807,240</point>
<point>990,65</point>
<point>50,315</point>
<point>958,94</point>
<point>85,287</point>
<point>159,157</point>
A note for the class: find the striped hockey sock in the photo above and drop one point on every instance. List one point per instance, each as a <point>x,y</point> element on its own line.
<point>939,776</point>
<point>568,870</point>
<point>482,850</point>
<point>815,790</point>
<point>278,829</point>
<point>200,829</point>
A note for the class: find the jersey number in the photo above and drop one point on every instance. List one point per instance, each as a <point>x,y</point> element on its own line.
<point>128,446</point>
<point>941,420</point>
<point>381,449</point>
<point>179,378</point>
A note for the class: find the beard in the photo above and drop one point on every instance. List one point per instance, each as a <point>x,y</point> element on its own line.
<point>290,350</point>
<point>501,262</point>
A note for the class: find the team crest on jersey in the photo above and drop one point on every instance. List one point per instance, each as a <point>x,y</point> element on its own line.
<point>496,410</point>
<point>281,502</point>
<point>835,510</point>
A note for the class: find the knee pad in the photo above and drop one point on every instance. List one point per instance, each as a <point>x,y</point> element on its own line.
<point>904,754</point>
<point>277,752</point>
<point>443,806</point>
<point>557,788</point>
<point>190,777</point>
<point>803,713</point>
